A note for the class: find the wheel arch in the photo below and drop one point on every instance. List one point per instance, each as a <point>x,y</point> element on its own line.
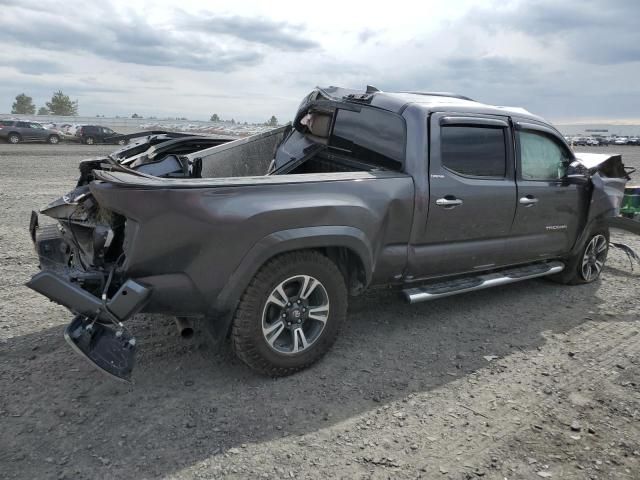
<point>347,246</point>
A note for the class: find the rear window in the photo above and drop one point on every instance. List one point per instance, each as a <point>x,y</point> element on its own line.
<point>474,151</point>
<point>372,136</point>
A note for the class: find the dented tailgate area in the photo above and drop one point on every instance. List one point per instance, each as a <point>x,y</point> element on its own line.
<point>83,257</point>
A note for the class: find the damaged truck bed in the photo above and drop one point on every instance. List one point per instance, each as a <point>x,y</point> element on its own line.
<point>264,238</point>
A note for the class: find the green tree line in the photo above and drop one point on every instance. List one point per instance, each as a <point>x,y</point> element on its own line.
<point>60,104</point>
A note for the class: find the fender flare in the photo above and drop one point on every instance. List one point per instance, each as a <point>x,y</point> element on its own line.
<point>277,243</point>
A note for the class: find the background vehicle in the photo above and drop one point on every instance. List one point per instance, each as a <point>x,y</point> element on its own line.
<point>592,142</point>
<point>91,134</point>
<point>16,131</point>
<point>433,194</point>
<point>621,141</point>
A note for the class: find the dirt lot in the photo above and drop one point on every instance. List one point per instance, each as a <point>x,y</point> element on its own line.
<point>532,380</point>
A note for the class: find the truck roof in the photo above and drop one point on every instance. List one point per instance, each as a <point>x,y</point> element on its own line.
<point>433,101</point>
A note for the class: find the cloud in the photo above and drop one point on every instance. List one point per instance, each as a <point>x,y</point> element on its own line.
<point>261,31</point>
<point>594,31</point>
<point>37,66</point>
<point>367,34</point>
<point>130,39</point>
<point>563,60</point>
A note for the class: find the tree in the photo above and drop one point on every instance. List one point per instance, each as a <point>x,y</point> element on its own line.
<point>23,104</point>
<point>61,104</point>
<point>135,115</point>
<point>233,121</point>
<point>214,118</point>
<point>273,121</point>
<point>43,111</point>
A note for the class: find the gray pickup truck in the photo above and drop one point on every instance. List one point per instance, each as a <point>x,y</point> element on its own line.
<point>263,239</point>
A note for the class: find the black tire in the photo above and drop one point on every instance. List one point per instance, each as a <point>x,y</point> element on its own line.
<point>574,272</point>
<point>249,341</point>
<point>14,138</point>
<point>89,141</point>
<point>53,139</point>
<point>123,142</point>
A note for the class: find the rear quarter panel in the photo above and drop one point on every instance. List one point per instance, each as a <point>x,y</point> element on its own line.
<point>188,242</point>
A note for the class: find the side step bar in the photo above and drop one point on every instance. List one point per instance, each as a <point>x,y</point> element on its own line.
<point>479,282</point>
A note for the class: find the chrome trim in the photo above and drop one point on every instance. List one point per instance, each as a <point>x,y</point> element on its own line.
<point>415,295</point>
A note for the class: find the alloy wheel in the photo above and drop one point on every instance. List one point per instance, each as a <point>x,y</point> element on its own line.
<point>594,257</point>
<point>295,314</point>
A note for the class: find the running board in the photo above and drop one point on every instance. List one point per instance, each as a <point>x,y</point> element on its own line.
<point>479,282</point>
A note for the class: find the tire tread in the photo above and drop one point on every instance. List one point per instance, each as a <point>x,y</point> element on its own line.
<point>242,339</point>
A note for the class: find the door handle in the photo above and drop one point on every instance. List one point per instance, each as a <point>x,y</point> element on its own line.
<point>448,202</point>
<point>528,201</point>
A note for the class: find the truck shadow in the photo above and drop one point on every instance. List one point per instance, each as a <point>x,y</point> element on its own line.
<point>190,403</point>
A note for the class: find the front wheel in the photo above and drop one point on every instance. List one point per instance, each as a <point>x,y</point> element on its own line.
<point>587,265</point>
<point>89,141</point>
<point>53,139</point>
<point>290,314</point>
<point>14,138</point>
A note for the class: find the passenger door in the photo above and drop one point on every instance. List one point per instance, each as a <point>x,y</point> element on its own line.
<point>550,207</point>
<point>472,196</point>
<point>38,132</point>
<point>107,133</point>
<point>25,131</point>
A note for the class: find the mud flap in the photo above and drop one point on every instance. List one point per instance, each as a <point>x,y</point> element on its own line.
<point>111,351</point>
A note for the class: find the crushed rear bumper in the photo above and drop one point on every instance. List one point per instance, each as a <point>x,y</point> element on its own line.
<point>96,331</point>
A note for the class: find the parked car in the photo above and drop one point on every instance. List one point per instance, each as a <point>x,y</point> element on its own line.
<point>634,141</point>
<point>91,134</point>
<point>592,142</point>
<point>16,131</point>
<point>621,141</point>
<point>422,192</point>
<point>579,141</point>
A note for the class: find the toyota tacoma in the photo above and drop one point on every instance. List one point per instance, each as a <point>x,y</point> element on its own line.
<point>264,239</point>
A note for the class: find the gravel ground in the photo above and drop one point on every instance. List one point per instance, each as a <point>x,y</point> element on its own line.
<point>532,380</point>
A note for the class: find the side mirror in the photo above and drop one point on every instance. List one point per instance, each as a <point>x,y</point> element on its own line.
<point>576,171</point>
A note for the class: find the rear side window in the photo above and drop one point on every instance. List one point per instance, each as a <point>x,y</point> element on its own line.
<point>371,135</point>
<point>474,151</point>
<point>541,157</point>
<point>22,125</point>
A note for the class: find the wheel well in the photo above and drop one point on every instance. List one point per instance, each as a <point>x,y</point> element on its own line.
<point>348,262</point>
<point>15,133</point>
<point>351,266</point>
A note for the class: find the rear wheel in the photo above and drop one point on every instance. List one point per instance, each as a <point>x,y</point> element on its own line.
<point>53,139</point>
<point>122,142</point>
<point>14,138</point>
<point>89,141</point>
<point>290,314</point>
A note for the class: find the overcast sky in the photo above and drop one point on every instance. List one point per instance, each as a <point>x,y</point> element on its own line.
<point>568,60</point>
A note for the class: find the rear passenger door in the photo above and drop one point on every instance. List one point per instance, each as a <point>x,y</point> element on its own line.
<point>472,197</point>
<point>25,131</point>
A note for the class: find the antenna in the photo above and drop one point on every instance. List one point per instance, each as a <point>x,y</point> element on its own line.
<point>372,89</point>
